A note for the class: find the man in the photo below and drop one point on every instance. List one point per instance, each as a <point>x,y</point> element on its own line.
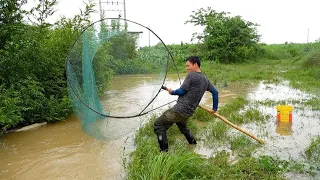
<point>190,93</point>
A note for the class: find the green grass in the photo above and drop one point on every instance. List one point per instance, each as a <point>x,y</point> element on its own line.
<point>146,162</point>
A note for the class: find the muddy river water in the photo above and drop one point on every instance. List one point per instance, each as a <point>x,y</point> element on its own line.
<point>63,151</point>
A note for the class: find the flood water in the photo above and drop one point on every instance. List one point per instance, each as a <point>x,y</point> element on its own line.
<point>283,140</point>
<point>58,151</point>
<point>63,151</point>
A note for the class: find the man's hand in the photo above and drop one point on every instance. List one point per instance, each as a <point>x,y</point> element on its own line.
<point>167,89</point>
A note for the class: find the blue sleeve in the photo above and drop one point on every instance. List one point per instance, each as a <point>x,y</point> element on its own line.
<point>178,92</point>
<point>215,98</point>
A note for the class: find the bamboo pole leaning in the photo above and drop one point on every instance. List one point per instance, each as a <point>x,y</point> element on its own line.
<point>231,124</point>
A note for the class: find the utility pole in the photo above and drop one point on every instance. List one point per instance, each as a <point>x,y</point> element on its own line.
<point>113,6</point>
<point>149,36</point>
<point>100,10</point>
<point>308,36</point>
<point>124,9</point>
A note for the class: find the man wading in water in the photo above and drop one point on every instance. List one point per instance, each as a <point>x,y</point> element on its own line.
<point>190,93</point>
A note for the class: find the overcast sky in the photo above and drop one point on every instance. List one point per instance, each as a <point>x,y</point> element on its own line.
<point>280,20</point>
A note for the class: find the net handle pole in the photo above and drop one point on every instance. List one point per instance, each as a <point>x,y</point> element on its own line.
<point>226,121</point>
<point>231,124</point>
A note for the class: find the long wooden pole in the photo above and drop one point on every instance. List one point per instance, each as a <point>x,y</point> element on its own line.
<point>233,125</point>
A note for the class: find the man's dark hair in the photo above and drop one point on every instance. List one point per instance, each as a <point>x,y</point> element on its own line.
<point>194,60</point>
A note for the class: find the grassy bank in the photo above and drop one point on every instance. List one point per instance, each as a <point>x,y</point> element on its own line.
<point>182,162</point>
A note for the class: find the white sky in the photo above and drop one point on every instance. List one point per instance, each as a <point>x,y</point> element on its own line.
<point>280,20</point>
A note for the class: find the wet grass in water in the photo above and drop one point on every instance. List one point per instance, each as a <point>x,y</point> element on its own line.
<point>216,131</point>
<point>235,106</point>
<point>314,103</point>
<point>238,144</point>
<point>239,112</point>
<point>313,151</point>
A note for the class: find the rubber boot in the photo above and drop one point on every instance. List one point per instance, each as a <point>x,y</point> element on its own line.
<point>190,138</point>
<point>163,142</point>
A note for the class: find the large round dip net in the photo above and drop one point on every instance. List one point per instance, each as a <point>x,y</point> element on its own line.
<point>115,70</point>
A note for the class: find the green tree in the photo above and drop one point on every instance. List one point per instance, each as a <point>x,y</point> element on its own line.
<point>40,13</point>
<point>226,38</point>
<point>10,16</point>
<point>10,110</point>
<point>10,11</point>
<point>32,61</point>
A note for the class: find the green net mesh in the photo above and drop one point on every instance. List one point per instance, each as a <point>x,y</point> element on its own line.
<point>108,66</point>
